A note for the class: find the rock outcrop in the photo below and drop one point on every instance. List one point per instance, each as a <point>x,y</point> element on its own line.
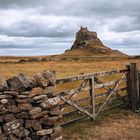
<point>88,42</point>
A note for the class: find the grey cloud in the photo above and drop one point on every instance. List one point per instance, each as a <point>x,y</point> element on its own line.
<point>31,29</point>
<point>93,8</point>
<point>61,19</point>
<point>125,27</point>
<point>34,49</point>
<point>128,44</point>
<point>108,8</point>
<point>18,4</point>
<point>124,24</point>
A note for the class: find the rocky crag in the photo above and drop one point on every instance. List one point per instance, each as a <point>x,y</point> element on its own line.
<point>88,43</point>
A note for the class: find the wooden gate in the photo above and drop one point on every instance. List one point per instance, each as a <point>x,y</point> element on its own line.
<point>95,93</point>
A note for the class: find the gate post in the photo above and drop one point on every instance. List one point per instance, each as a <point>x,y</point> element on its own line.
<point>128,86</point>
<point>92,95</point>
<point>133,89</point>
<point>139,91</point>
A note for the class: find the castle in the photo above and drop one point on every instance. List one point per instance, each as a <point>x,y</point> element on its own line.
<point>84,37</point>
<point>84,34</point>
<point>87,43</point>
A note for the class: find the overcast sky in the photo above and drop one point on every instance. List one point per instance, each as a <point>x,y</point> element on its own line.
<point>43,27</point>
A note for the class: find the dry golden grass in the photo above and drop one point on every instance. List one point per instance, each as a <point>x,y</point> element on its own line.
<point>62,68</point>
<point>117,126</point>
<point>125,127</point>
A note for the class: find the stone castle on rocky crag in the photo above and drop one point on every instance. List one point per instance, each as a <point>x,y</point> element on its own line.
<point>88,42</point>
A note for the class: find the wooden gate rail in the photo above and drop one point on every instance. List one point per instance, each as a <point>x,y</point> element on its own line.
<point>62,105</point>
<point>88,76</point>
<point>96,86</point>
<point>86,107</point>
<point>85,116</point>
<point>109,96</point>
<point>129,76</point>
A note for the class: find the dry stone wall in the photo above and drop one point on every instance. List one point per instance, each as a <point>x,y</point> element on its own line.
<point>29,109</point>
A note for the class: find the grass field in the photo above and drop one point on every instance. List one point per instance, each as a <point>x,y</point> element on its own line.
<point>118,124</point>
<point>63,68</point>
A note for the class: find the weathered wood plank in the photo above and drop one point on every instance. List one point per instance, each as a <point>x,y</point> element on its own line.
<point>116,105</point>
<point>92,95</point>
<point>128,84</point>
<point>109,88</point>
<point>139,89</point>
<point>88,76</point>
<point>134,86</point>
<point>72,91</point>
<point>72,121</point>
<point>100,82</point>
<point>111,93</point>
<point>96,86</point>
<point>106,84</point>
<point>74,110</point>
<point>97,105</point>
<point>86,99</point>
<point>81,109</point>
<point>85,116</point>
<point>110,83</point>
<point>85,110</point>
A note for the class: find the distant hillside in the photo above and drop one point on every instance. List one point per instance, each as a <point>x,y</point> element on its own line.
<point>88,43</point>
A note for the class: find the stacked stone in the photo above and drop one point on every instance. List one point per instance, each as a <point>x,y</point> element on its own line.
<point>29,109</point>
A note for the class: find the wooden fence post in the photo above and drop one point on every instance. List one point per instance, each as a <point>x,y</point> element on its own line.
<point>139,90</point>
<point>92,95</point>
<point>128,85</point>
<point>134,81</point>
